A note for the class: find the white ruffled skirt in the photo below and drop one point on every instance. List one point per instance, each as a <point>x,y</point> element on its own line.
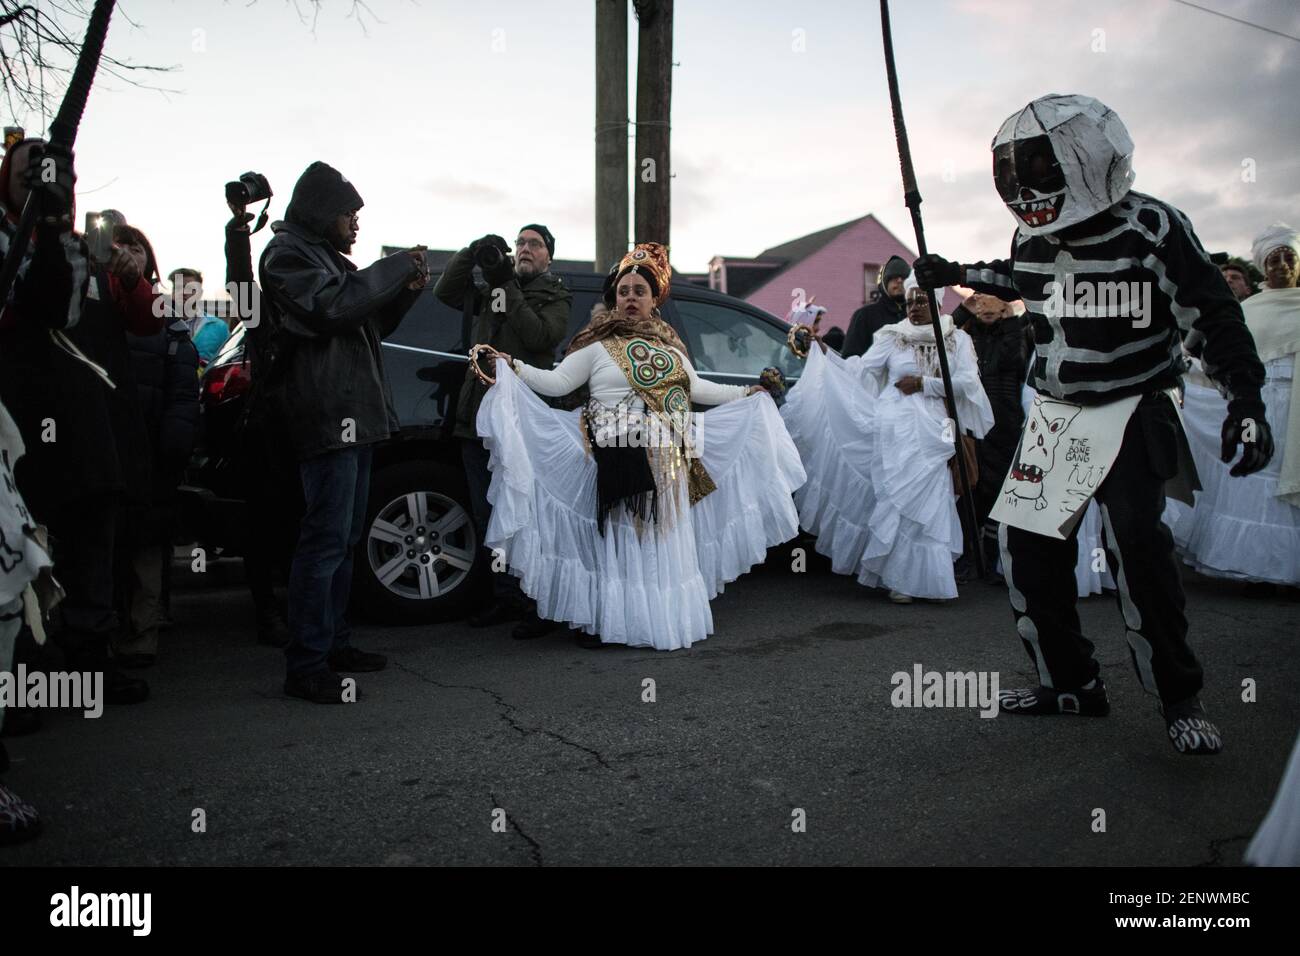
<point>650,589</point>
<point>1277,841</point>
<point>879,496</point>
<point>1238,528</point>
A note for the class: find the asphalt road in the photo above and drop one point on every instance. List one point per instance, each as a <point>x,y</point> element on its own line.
<point>785,708</point>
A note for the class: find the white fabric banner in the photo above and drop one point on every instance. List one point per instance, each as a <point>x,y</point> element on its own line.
<point>1065,453</point>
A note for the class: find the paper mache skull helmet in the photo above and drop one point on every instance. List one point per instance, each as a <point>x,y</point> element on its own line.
<point>1060,160</point>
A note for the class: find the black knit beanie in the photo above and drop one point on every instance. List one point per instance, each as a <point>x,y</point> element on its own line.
<point>320,196</point>
<point>545,234</point>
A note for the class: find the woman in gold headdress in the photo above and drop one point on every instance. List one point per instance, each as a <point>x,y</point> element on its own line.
<point>626,517</point>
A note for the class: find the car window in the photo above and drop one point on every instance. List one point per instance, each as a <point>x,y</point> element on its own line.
<point>430,324</point>
<point>732,342</point>
<point>579,316</point>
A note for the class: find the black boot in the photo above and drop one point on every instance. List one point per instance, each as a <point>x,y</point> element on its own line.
<point>325,687</point>
<point>1041,701</point>
<point>498,612</point>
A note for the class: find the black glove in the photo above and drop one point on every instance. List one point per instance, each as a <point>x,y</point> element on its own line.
<point>1246,426</point>
<point>504,270</point>
<point>936,272</point>
<point>499,274</point>
<point>51,177</point>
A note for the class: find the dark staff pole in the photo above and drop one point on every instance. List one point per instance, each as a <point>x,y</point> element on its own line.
<point>63,133</point>
<point>912,197</point>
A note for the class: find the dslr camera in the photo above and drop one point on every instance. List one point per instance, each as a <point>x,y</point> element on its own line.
<point>490,252</point>
<point>248,188</point>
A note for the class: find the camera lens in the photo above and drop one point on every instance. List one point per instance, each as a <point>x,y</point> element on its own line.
<point>487,256</point>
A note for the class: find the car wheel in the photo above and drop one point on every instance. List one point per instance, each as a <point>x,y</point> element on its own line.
<point>418,556</point>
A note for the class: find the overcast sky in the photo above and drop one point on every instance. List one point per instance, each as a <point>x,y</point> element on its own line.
<point>455,119</point>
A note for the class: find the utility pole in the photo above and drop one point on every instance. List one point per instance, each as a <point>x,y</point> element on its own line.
<point>654,94</point>
<point>611,132</point>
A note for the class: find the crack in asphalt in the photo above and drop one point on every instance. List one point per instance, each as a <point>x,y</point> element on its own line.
<point>507,713</point>
<point>534,848</point>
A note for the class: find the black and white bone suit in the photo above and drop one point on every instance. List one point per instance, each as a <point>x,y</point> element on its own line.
<point>1080,225</point>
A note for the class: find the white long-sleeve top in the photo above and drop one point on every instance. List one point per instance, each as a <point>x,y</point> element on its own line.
<point>890,360</point>
<point>593,367</point>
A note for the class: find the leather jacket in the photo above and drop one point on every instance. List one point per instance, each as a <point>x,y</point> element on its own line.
<point>330,318</point>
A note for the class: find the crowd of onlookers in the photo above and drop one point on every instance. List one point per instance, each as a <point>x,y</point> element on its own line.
<point>99,388</point>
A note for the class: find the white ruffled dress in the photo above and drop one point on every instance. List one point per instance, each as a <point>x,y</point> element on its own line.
<point>647,589</point>
<point>1239,528</point>
<point>1277,841</point>
<point>879,495</point>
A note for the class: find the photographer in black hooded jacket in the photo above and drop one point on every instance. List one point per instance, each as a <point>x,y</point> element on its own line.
<point>329,388</point>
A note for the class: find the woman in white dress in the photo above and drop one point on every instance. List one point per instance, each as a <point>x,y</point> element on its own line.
<point>1249,529</point>
<point>876,440</point>
<point>626,517</point>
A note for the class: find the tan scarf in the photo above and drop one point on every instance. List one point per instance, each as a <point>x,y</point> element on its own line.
<point>615,323</point>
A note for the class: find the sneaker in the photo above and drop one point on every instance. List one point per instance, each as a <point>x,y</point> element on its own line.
<point>898,597</point>
<point>349,659</point>
<point>1040,701</point>
<point>324,687</point>
<point>19,820</point>
<point>1190,731</point>
<point>532,627</point>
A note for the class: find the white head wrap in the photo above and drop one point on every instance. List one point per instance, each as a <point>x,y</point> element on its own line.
<point>807,315</point>
<point>1277,235</point>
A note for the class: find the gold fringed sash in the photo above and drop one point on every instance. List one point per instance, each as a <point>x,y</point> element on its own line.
<point>662,382</point>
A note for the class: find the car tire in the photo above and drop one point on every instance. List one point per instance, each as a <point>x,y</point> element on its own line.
<point>403,576</point>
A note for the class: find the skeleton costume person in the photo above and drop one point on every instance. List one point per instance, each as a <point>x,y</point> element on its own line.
<point>626,517</point>
<point>876,441</point>
<point>1249,529</point>
<point>1063,166</point>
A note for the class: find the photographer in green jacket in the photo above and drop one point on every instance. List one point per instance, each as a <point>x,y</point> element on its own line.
<point>523,310</point>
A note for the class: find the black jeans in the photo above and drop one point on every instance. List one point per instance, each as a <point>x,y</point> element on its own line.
<point>336,487</point>
<point>1140,552</point>
<point>478,478</point>
<point>84,534</point>
<point>272,515</point>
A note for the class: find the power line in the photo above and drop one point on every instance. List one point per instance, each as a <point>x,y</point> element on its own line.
<point>1247,23</point>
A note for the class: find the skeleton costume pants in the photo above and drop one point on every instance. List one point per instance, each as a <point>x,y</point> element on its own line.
<point>1140,555</point>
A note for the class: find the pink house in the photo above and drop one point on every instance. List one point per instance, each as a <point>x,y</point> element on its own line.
<point>837,265</point>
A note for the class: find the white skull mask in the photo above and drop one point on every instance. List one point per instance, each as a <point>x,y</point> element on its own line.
<point>1061,160</point>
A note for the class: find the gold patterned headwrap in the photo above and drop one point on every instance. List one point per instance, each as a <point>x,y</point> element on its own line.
<point>648,259</point>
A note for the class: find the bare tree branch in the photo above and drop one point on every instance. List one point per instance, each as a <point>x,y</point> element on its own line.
<point>39,44</point>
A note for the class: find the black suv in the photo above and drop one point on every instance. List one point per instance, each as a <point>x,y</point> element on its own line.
<point>417,479</point>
